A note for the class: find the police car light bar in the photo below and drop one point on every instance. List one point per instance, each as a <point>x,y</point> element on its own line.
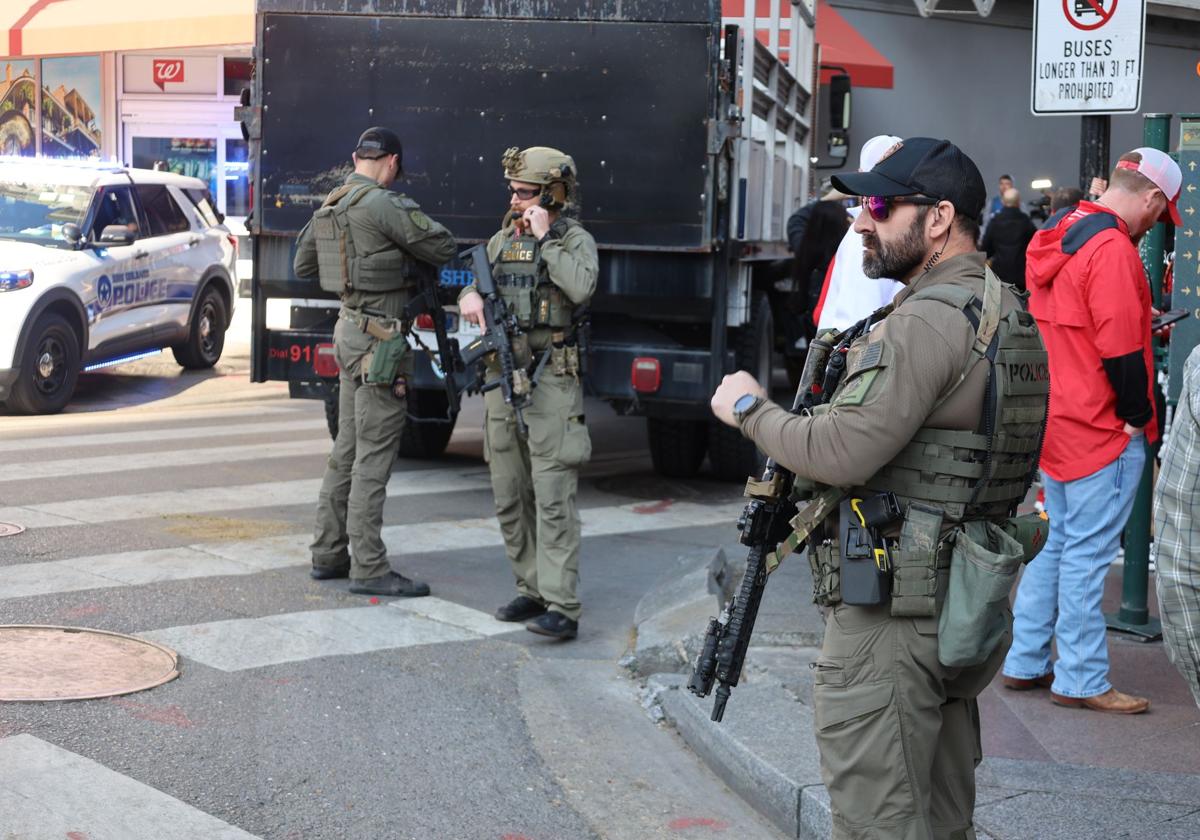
<point>120,360</point>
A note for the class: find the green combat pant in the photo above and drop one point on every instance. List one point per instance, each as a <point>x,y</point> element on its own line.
<point>350,504</point>
<point>898,732</point>
<point>534,482</point>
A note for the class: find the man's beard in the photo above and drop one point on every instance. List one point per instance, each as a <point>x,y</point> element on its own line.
<point>897,260</point>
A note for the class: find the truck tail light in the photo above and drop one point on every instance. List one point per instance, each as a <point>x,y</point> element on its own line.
<point>646,375</point>
<point>424,321</point>
<point>325,362</point>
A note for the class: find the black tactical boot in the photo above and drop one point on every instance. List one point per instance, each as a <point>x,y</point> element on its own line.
<point>555,625</point>
<point>330,572</point>
<point>391,584</point>
<point>521,608</point>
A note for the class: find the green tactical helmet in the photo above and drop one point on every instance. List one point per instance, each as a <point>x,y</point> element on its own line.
<point>538,165</point>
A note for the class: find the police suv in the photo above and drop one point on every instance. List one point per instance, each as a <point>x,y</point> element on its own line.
<point>100,263</point>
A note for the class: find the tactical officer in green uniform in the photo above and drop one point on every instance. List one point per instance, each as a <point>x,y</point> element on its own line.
<point>366,243</point>
<point>935,429</point>
<point>545,267</point>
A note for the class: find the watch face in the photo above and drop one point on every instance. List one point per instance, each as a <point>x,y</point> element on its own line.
<point>744,403</point>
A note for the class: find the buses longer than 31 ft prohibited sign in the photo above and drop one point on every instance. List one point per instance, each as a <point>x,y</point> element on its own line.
<point>1087,56</point>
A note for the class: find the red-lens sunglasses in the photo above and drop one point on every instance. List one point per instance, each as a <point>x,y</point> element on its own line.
<point>880,206</point>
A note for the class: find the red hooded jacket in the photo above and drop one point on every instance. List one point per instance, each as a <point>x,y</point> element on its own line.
<point>1090,296</point>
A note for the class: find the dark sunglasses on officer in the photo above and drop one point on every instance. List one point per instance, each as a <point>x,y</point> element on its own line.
<point>880,206</point>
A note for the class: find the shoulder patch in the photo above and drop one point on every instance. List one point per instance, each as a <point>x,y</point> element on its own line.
<point>420,219</point>
<point>869,358</point>
<point>402,201</point>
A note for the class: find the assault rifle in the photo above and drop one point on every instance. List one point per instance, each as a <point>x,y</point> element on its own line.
<point>500,327</point>
<point>764,524</point>
<point>448,360</point>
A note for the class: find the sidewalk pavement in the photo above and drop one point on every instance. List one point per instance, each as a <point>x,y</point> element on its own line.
<point>1048,772</point>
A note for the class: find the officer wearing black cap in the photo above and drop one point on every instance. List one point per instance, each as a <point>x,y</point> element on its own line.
<point>366,244</point>
<point>935,428</point>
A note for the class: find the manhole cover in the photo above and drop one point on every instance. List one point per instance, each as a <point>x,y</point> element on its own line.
<point>70,663</point>
<point>7,529</point>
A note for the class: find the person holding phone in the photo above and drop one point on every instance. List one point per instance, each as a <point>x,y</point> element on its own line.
<point>545,265</point>
<point>1089,294</point>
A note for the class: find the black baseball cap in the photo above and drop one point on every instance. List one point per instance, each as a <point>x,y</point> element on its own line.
<point>378,141</point>
<point>922,166</point>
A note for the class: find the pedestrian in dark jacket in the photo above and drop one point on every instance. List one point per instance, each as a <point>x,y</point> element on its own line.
<point>1006,239</point>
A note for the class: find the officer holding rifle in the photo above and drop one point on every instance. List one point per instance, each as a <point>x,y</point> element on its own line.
<point>907,480</point>
<point>544,265</point>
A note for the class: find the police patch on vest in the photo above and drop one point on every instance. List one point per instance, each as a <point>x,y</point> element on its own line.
<point>517,252</point>
<point>420,219</point>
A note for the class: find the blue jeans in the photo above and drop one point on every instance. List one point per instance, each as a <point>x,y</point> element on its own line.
<point>1060,591</point>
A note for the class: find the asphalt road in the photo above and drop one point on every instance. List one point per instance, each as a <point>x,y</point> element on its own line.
<point>176,506</point>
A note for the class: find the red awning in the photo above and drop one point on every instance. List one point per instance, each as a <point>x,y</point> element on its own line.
<point>841,45</point>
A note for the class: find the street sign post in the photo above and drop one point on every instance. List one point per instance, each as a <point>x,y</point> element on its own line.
<point>1087,56</point>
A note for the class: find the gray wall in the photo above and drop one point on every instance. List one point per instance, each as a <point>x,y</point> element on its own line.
<point>967,79</point>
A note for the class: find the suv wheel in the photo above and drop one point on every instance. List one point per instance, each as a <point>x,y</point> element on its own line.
<point>206,334</point>
<point>49,368</point>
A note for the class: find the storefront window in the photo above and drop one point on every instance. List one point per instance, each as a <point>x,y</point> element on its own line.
<point>18,104</point>
<point>237,178</point>
<point>71,106</point>
<point>237,75</point>
<point>195,157</point>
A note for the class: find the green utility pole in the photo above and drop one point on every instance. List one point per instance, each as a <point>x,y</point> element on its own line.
<point>1134,615</point>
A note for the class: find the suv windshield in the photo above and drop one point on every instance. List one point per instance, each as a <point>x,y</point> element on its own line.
<point>36,211</point>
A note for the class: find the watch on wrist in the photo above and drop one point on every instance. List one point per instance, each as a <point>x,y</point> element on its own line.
<point>746,405</point>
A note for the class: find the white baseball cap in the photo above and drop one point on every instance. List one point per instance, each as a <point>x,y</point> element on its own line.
<point>1163,171</point>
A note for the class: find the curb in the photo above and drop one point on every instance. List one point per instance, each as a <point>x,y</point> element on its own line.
<point>765,729</point>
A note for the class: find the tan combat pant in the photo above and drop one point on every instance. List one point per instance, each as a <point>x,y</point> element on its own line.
<point>534,482</point>
<point>897,731</point>
<point>354,489</point>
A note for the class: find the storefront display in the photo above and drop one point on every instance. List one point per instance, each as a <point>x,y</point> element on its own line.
<point>194,157</point>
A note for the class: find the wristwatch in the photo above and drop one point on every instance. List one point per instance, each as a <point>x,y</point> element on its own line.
<point>746,405</point>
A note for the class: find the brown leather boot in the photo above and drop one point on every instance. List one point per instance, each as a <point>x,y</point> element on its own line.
<point>1019,684</point>
<point>1111,701</point>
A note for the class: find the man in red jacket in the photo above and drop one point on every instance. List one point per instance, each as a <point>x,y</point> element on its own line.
<point>1089,294</point>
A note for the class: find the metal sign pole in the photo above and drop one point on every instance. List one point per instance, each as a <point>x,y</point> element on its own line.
<point>1134,614</point>
<point>1093,149</point>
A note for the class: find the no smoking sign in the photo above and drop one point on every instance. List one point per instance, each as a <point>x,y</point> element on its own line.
<point>1087,56</point>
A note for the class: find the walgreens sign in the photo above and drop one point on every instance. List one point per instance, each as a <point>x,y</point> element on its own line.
<point>170,74</point>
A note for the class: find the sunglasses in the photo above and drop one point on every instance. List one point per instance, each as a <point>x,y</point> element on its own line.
<point>524,193</point>
<point>880,206</point>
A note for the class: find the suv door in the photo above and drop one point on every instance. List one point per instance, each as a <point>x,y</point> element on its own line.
<point>109,287</point>
<point>169,245</point>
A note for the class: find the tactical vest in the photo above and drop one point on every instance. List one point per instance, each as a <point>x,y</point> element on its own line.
<point>540,307</point>
<point>340,267</point>
<point>986,473</point>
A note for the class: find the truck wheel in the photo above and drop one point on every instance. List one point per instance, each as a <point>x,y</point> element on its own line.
<point>677,446</point>
<point>732,456</point>
<point>206,333</point>
<point>49,368</point>
<point>426,440</point>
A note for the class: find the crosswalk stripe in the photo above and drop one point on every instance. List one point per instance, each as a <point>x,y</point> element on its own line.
<point>43,424</point>
<point>106,509</point>
<point>51,793</point>
<point>241,643</point>
<point>244,557</point>
<point>103,464</point>
<point>189,433</point>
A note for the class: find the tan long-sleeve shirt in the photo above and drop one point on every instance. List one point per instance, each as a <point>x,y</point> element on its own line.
<point>895,377</point>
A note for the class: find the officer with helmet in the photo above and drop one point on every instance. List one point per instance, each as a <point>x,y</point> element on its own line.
<point>366,244</point>
<point>545,266</point>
